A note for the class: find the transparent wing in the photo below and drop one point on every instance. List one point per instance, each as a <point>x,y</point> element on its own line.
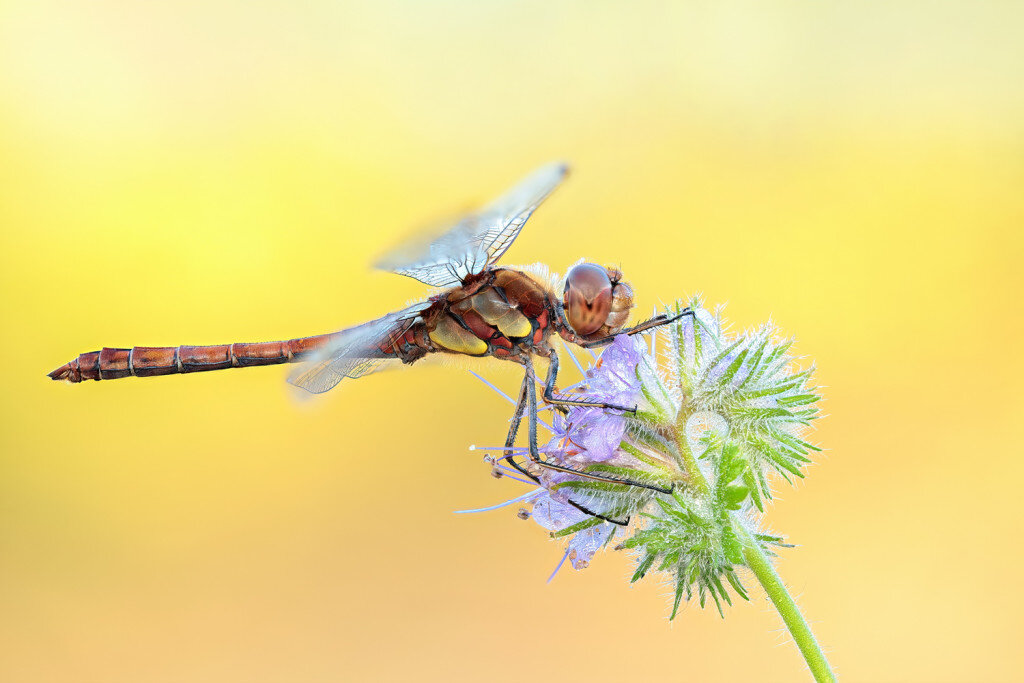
<point>354,352</point>
<point>478,240</point>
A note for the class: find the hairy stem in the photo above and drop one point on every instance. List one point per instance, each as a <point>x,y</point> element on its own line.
<point>769,579</point>
<point>753,554</point>
<point>762,568</point>
<point>695,477</point>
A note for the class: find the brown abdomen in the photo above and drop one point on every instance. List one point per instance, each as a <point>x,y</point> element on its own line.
<point>149,361</point>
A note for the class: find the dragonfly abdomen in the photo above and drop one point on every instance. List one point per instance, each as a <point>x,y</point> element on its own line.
<point>151,361</point>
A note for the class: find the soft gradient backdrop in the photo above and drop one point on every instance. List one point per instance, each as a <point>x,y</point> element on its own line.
<point>207,172</point>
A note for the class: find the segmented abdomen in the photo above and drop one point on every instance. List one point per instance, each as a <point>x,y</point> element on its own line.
<point>149,361</point>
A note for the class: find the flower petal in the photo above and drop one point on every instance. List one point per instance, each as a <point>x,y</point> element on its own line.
<point>587,542</point>
<point>554,515</point>
<point>599,433</point>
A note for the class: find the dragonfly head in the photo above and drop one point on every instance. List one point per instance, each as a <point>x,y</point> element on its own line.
<point>596,300</point>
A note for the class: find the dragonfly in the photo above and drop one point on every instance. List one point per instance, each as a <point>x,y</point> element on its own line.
<point>479,309</point>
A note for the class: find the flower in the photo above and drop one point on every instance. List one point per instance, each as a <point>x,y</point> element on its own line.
<point>556,516</point>
<point>614,379</point>
<point>681,481</point>
<point>595,432</point>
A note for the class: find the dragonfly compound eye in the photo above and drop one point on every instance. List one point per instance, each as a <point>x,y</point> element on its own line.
<point>588,297</point>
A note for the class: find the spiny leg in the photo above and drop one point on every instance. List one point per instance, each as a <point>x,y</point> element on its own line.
<point>549,385</point>
<point>531,394</point>
<point>513,430</point>
<point>656,321</point>
<point>528,391</point>
<point>582,508</point>
<point>549,391</point>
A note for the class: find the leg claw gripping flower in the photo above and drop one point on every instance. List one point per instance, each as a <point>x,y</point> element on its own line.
<point>682,479</point>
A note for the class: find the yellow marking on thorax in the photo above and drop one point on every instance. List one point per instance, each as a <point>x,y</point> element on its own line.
<point>495,311</point>
<point>452,336</point>
<point>514,324</point>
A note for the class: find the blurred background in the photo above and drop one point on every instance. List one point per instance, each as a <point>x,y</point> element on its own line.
<point>209,172</point>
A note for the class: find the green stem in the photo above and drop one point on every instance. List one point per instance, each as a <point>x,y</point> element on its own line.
<point>695,477</point>
<point>769,579</point>
<point>760,565</point>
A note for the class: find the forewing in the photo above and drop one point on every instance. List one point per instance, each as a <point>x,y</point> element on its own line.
<point>478,240</point>
<point>354,352</point>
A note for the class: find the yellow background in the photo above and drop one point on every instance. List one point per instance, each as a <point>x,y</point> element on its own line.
<point>207,172</point>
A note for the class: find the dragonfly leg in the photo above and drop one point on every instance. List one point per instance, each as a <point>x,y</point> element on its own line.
<point>549,391</point>
<point>509,457</point>
<point>656,321</point>
<point>531,396</point>
<point>513,430</point>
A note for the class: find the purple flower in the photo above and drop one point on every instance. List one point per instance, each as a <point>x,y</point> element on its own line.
<point>585,543</point>
<point>596,432</point>
<point>554,515</point>
<point>583,437</point>
<point>575,435</point>
<point>614,379</point>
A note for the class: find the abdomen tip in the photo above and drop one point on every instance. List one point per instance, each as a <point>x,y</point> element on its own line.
<point>61,373</point>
